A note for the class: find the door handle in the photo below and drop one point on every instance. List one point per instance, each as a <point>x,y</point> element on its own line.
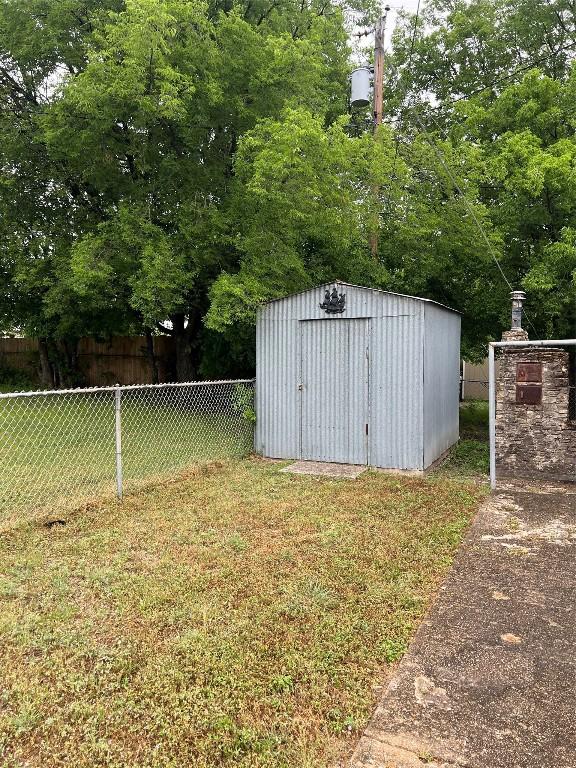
<point>300,387</point>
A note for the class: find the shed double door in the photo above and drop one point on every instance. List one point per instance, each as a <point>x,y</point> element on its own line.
<point>334,372</point>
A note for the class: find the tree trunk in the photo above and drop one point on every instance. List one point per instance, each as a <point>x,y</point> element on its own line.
<point>66,357</point>
<point>151,356</point>
<point>46,371</point>
<point>185,368</point>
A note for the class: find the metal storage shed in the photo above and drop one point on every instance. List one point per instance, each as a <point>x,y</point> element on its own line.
<point>357,375</point>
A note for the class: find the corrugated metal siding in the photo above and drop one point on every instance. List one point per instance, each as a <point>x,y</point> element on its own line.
<point>441,381</point>
<point>396,371</point>
<point>334,390</point>
<point>277,376</point>
<point>396,439</point>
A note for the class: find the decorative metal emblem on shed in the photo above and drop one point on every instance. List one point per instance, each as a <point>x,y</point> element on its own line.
<point>334,303</point>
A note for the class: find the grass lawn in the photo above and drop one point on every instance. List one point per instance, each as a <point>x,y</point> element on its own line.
<point>470,457</point>
<point>234,616</point>
<point>60,449</point>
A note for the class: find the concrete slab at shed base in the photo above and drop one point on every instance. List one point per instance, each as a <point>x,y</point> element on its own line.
<point>489,680</point>
<point>326,469</point>
<point>401,472</point>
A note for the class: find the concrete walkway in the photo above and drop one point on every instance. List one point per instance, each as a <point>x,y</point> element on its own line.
<point>490,679</point>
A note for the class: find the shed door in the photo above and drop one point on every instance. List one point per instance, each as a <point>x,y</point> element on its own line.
<point>334,390</point>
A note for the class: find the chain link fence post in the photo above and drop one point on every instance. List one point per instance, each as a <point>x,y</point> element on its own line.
<point>118,424</point>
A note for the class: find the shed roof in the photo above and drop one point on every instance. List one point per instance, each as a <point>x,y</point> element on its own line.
<point>364,288</point>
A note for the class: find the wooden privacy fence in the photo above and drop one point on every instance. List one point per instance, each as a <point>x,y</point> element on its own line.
<point>122,359</point>
<point>475,380</point>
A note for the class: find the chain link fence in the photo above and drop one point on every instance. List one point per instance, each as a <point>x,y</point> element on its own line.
<point>64,447</point>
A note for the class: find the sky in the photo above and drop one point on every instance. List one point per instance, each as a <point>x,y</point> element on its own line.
<point>407,5</point>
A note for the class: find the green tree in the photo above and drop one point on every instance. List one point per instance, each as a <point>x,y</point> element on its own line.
<point>43,204</point>
<point>302,196</point>
<point>467,47</point>
<point>495,81</point>
<point>147,124</point>
<point>165,166</point>
<point>306,197</point>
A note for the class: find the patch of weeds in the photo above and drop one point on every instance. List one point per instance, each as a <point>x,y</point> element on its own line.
<point>237,543</point>
<point>409,601</point>
<point>517,551</point>
<point>513,524</point>
<point>8,588</point>
<point>282,684</point>
<point>309,597</point>
<point>25,719</point>
<point>392,649</point>
<point>474,420</point>
<point>287,556</point>
<point>321,596</point>
<point>206,537</point>
<point>341,724</point>
<point>468,457</point>
<point>247,742</point>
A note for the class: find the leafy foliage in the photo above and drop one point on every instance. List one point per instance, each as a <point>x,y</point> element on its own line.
<point>497,80</point>
<point>166,166</point>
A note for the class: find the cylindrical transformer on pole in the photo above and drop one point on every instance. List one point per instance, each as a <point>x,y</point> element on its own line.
<point>360,87</point>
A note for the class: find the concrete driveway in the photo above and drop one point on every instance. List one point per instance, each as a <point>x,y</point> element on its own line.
<point>490,679</point>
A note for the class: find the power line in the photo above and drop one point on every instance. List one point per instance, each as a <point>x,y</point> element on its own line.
<point>498,81</point>
<point>413,108</point>
<point>462,195</point>
<point>509,76</point>
<point>471,210</point>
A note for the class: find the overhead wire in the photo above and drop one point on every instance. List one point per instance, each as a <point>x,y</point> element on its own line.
<point>457,186</point>
<point>528,65</point>
<point>424,132</point>
<point>498,81</point>
<point>439,154</point>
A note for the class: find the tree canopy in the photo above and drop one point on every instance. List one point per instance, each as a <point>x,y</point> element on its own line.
<point>167,165</point>
<point>496,79</point>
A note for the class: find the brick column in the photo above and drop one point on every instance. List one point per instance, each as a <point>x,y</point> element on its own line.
<point>516,334</point>
<point>535,440</point>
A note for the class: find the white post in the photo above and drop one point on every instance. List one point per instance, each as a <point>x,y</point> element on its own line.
<point>492,414</point>
<point>118,423</point>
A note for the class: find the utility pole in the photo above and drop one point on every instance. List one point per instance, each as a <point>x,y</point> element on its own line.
<point>378,106</point>
<point>379,67</point>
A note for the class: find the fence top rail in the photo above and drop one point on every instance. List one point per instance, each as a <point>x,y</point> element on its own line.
<point>122,388</point>
<point>536,343</point>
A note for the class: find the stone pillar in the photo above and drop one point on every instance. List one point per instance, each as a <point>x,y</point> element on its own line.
<point>516,334</point>
<point>538,439</point>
